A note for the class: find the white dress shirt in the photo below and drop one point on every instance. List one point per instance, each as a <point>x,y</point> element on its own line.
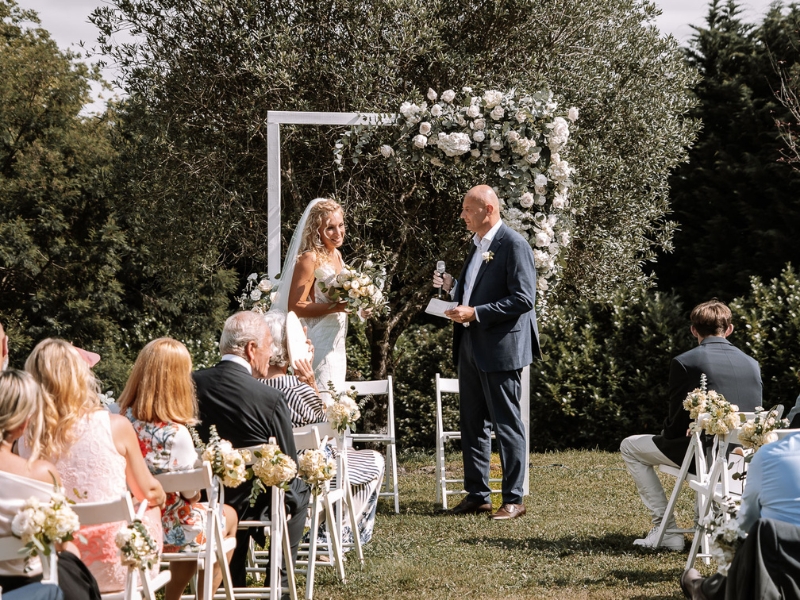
<point>239,361</point>
<point>482,244</point>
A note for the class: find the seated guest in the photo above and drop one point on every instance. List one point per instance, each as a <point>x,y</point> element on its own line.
<point>769,510</point>
<point>20,479</point>
<point>365,467</point>
<point>95,453</point>
<point>730,372</point>
<point>160,401</point>
<point>248,413</point>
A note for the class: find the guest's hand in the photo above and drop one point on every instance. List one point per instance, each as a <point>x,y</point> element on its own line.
<point>444,281</point>
<point>309,342</point>
<point>305,372</point>
<point>461,314</point>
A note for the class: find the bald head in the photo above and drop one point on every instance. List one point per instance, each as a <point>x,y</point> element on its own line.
<point>480,209</point>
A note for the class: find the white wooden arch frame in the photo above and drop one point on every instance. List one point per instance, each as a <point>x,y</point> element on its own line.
<point>276,118</point>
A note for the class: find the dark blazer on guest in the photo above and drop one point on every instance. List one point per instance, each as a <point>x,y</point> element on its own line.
<point>730,372</point>
<point>506,336</point>
<point>247,413</point>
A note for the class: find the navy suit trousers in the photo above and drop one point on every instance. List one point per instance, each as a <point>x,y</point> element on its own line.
<point>490,400</point>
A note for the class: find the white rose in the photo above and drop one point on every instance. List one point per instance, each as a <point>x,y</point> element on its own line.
<point>265,285</point>
<point>541,284</point>
<point>255,295</point>
<point>564,238</point>
<point>540,181</point>
<point>466,89</point>
<point>526,200</point>
<point>461,120</point>
<point>520,116</point>
<point>252,277</point>
<point>495,157</point>
<point>448,96</point>
<point>512,136</point>
<point>553,248</point>
<point>387,151</point>
<point>542,239</point>
<point>479,136</point>
<point>432,95</point>
<point>540,200</point>
<point>420,141</point>
<point>496,144</point>
<point>436,110</point>
<point>573,114</point>
<point>498,112</point>
<point>473,111</point>
<point>479,124</point>
<point>346,285</point>
<point>424,128</point>
<point>492,98</point>
<point>475,153</point>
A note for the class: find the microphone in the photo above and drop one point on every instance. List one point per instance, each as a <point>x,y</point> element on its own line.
<point>440,269</point>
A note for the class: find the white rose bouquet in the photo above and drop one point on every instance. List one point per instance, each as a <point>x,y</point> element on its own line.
<point>315,468</point>
<point>271,467</point>
<point>362,288</point>
<point>761,429</point>
<point>343,411</point>
<point>136,546</point>
<point>257,293</point>
<point>726,535</point>
<point>39,524</point>
<point>227,463</point>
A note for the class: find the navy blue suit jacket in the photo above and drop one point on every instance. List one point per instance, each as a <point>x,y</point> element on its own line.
<point>505,336</point>
<point>730,372</point>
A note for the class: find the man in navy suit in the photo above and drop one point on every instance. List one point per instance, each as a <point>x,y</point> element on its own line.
<point>495,337</point>
<point>729,371</point>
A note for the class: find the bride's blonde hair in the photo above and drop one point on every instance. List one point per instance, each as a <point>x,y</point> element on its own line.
<point>317,217</point>
<point>69,392</point>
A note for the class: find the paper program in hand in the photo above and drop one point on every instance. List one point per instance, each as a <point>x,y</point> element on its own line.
<point>437,307</point>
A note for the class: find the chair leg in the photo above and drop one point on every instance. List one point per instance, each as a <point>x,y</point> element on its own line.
<point>395,490</point>
<point>334,533</point>
<point>222,560</point>
<point>287,557</point>
<point>353,525</point>
<point>312,550</point>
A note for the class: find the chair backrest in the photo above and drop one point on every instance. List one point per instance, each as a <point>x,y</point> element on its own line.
<point>445,385</point>
<point>377,387</point>
<point>307,439</point>
<point>782,433</point>
<point>10,547</point>
<point>97,513</point>
<point>199,478</point>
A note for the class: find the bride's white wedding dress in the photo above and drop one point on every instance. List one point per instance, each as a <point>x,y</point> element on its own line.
<point>328,335</point>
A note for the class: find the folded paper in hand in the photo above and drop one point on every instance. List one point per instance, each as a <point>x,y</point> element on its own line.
<point>437,307</point>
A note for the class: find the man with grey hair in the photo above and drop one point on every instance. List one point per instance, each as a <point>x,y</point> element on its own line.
<point>248,413</point>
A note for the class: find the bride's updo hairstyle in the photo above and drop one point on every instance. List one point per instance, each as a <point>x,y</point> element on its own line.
<point>21,401</point>
<point>318,216</point>
<point>69,392</point>
<point>160,387</point>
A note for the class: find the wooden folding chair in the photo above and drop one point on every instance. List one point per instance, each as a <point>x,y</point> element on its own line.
<point>280,549</point>
<point>381,387</point>
<point>11,547</point>
<point>448,386</point>
<point>139,583</point>
<point>216,546</point>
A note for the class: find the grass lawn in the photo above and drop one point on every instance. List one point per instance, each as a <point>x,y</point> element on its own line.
<point>575,541</point>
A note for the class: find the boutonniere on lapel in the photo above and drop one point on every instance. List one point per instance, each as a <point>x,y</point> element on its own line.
<point>487,256</point>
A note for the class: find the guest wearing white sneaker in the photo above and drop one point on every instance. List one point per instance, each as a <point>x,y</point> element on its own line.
<point>729,371</point>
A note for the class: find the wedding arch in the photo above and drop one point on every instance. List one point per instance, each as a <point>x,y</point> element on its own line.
<point>518,137</point>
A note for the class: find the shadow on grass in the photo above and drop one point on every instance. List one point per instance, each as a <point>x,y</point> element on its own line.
<point>610,544</point>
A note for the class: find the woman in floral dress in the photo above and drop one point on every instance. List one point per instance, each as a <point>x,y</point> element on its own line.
<point>159,400</point>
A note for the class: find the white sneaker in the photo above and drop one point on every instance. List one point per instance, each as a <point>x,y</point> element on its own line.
<point>670,541</point>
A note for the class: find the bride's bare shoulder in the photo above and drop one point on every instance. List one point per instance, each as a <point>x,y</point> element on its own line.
<point>307,259</point>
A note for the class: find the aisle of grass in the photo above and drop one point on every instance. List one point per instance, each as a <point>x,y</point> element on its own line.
<point>575,541</point>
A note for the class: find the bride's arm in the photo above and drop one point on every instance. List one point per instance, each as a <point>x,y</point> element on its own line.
<point>300,293</point>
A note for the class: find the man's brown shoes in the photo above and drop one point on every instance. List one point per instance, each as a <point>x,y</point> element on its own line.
<point>470,507</point>
<point>508,511</point>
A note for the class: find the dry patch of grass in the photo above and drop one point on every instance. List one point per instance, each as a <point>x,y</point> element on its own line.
<point>574,543</point>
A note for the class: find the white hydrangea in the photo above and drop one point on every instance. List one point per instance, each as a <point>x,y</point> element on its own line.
<point>492,98</point>
<point>454,144</point>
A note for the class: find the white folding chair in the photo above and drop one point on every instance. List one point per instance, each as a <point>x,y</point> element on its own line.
<point>381,387</point>
<point>139,582</point>
<point>216,546</point>
<point>280,550</point>
<point>448,386</point>
<point>10,548</point>
<point>308,439</point>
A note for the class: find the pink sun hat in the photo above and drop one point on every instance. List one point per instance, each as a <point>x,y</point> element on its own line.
<point>92,358</point>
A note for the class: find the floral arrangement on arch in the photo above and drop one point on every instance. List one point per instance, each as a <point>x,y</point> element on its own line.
<point>711,412</point>
<point>256,294</point>
<point>41,523</point>
<point>761,429</point>
<point>520,139</point>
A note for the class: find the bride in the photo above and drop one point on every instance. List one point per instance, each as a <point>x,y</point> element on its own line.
<point>314,249</point>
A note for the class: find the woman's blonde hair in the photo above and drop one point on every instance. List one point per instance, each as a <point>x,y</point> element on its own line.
<point>317,217</point>
<point>160,387</point>
<point>21,400</point>
<point>69,389</point>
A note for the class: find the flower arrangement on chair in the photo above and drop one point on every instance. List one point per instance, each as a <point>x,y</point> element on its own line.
<point>316,468</point>
<point>227,463</point>
<point>137,547</point>
<point>42,523</point>
<point>761,429</point>
<point>711,412</point>
<point>726,535</point>
<point>343,411</point>
<point>271,467</point>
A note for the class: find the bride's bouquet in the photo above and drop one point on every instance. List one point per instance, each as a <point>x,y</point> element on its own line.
<point>362,289</point>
